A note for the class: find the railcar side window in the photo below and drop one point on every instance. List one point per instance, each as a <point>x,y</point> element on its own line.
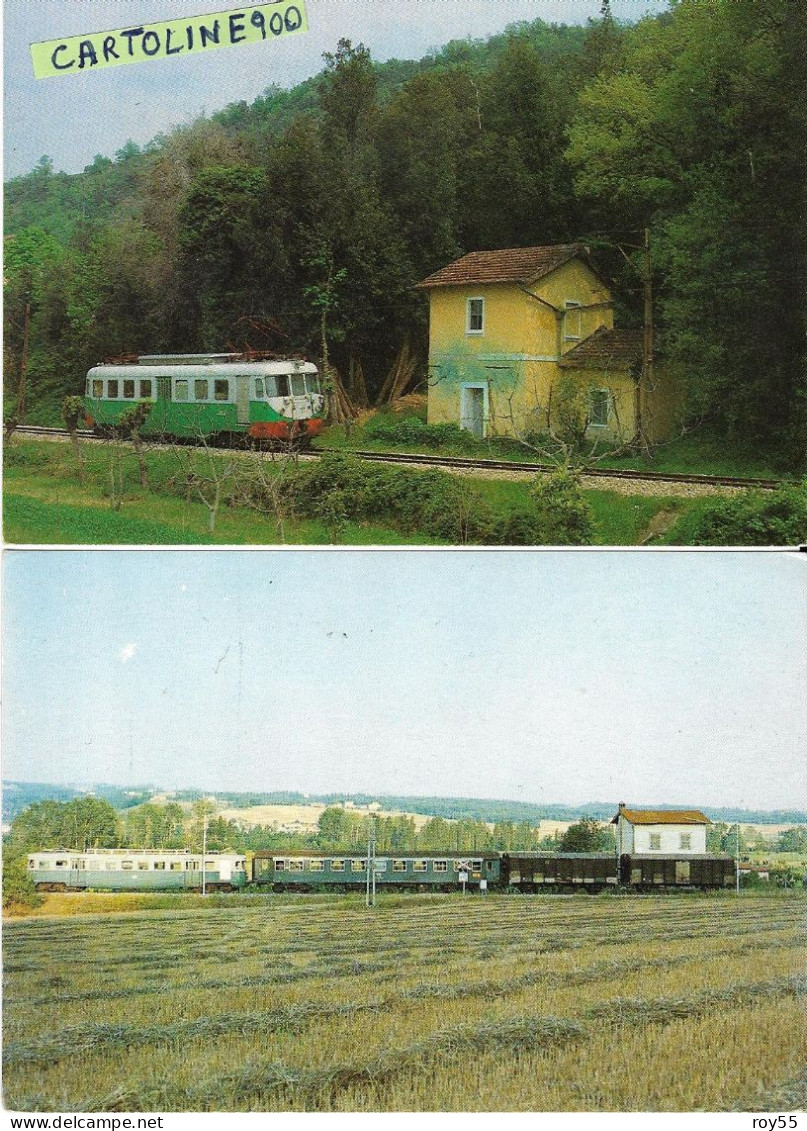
<point>200,390</point>
<point>142,865</point>
<point>296,866</point>
<point>61,863</point>
<point>112,389</point>
<point>128,389</point>
<point>159,865</point>
<point>280,865</point>
<point>176,865</point>
<point>97,389</point>
<point>32,863</point>
<point>181,392</point>
<point>145,389</point>
<point>221,389</point>
<point>259,388</point>
<point>111,865</point>
<point>297,385</point>
<point>127,865</point>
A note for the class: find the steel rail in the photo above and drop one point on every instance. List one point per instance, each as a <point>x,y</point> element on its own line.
<point>460,463</point>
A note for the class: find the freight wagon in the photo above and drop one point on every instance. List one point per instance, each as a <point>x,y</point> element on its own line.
<point>650,871</point>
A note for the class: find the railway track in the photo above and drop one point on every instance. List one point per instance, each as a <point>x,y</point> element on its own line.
<point>458,463</point>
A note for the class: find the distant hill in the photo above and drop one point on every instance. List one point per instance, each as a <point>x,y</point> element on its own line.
<point>18,795</point>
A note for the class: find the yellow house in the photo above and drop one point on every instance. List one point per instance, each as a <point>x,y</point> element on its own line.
<point>522,339</point>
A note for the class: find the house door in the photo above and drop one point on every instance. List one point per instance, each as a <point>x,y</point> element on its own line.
<point>472,409</point>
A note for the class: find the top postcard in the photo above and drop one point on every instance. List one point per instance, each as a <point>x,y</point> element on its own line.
<point>433,272</point>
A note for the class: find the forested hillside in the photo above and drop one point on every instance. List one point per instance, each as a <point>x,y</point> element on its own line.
<point>316,210</point>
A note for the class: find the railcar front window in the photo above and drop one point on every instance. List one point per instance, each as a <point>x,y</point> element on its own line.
<point>221,390</point>
<point>145,390</point>
<point>181,393</point>
<point>312,382</point>
<point>98,389</point>
<point>297,385</point>
<point>277,386</point>
<point>200,390</point>
<point>129,390</point>
<point>112,390</point>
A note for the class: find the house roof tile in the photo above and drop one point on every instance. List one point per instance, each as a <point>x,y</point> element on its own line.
<point>663,817</point>
<point>507,265</point>
<point>606,349</point>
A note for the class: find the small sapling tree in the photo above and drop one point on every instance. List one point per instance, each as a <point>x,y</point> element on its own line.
<point>73,414</point>
<point>128,428</point>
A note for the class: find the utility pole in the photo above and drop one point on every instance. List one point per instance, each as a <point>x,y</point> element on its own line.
<point>204,852</point>
<point>370,893</point>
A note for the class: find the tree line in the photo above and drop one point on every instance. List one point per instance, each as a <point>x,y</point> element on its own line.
<point>301,223</point>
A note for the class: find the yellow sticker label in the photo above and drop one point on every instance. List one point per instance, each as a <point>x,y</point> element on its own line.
<point>172,40</point>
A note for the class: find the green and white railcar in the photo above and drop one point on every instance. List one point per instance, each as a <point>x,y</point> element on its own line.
<point>136,869</point>
<point>210,396</point>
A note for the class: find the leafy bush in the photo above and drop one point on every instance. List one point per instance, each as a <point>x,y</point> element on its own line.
<point>410,431</point>
<point>776,518</point>
<point>557,515</point>
<point>18,887</point>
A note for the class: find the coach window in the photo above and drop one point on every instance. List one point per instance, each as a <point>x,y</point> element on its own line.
<point>221,389</point>
<point>280,865</point>
<point>142,865</point>
<point>200,390</point>
<point>112,390</point>
<point>128,390</point>
<point>316,866</point>
<point>358,865</point>
<point>259,388</point>
<point>399,865</point>
<point>111,865</point>
<point>337,865</point>
<point>440,865</point>
<point>97,389</point>
<point>145,390</point>
<point>61,864</point>
<point>297,385</point>
<point>181,391</point>
<point>419,866</point>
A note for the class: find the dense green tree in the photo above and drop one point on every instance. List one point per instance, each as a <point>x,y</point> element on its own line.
<point>587,836</point>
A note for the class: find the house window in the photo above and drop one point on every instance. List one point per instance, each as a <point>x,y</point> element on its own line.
<point>572,321</point>
<point>598,405</point>
<point>655,842</point>
<point>475,316</point>
<point>686,841</point>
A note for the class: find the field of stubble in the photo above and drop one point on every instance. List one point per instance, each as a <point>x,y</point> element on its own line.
<point>427,1003</point>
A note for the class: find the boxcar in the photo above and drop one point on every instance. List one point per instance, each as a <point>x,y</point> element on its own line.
<point>210,396</point>
<point>135,869</point>
<point>541,871</point>
<point>646,871</point>
<point>305,871</point>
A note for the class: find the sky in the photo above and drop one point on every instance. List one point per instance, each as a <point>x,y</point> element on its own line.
<point>72,118</point>
<point>650,678</point>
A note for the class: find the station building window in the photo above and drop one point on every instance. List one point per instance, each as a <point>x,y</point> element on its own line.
<point>655,842</point>
<point>475,316</point>
<point>686,841</point>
